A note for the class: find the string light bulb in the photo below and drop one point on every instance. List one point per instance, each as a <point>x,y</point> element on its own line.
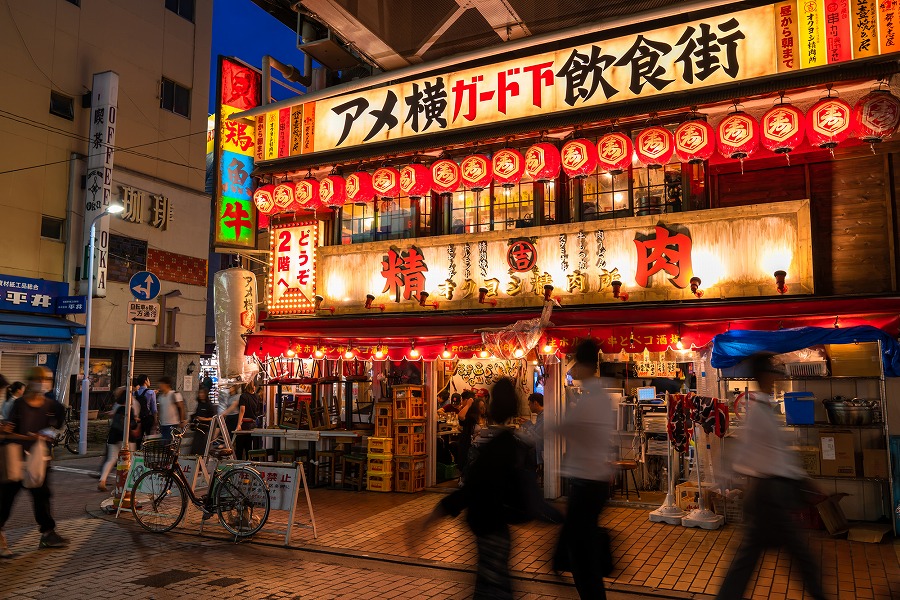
<point>483,353</point>
<point>319,353</point>
<point>446,353</point>
<point>413,351</point>
<point>519,353</point>
<point>379,352</point>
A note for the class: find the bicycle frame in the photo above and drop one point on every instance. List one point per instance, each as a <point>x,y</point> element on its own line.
<point>215,480</point>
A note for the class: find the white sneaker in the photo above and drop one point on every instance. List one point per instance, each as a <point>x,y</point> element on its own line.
<point>5,552</point>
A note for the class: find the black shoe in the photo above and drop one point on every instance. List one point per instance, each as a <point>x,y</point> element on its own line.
<point>51,539</point>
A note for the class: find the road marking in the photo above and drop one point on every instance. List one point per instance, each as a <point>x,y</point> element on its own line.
<point>74,470</point>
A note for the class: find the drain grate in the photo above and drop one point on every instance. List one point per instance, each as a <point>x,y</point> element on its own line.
<point>165,578</point>
<point>225,581</point>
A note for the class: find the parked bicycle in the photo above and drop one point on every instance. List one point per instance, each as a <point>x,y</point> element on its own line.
<point>237,493</point>
<point>68,436</point>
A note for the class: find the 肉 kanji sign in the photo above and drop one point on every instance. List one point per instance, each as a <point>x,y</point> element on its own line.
<point>292,272</point>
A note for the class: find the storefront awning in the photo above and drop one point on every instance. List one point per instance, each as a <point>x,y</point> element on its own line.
<point>37,329</point>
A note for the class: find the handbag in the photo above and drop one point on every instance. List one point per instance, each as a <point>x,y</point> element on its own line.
<point>34,469</point>
<point>11,462</point>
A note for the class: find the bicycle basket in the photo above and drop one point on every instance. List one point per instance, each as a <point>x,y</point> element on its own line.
<point>159,454</point>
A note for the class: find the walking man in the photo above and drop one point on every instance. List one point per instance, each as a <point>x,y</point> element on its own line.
<point>171,409</point>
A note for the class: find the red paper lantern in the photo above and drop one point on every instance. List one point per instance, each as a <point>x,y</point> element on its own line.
<point>876,116</point>
<point>476,172</point>
<point>264,200</point>
<point>445,176</point>
<point>654,146</point>
<point>508,166</point>
<point>307,194</point>
<point>283,195</point>
<point>828,122</point>
<point>783,128</point>
<point>738,135</point>
<point>579,158</point>
<point>542,162</point>
<point>614,151</point>
<point>695,141</point>
<point>386,182</point>
<point>359,188</point>
<point>333,191</point>
<point>415,180</point>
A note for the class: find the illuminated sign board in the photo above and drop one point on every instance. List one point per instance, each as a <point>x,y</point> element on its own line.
<point>292,268</point>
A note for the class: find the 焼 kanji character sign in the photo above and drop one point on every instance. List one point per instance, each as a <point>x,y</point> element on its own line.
<point>664,251</point>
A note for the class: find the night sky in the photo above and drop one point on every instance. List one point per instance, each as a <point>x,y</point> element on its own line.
<point>243,30</point>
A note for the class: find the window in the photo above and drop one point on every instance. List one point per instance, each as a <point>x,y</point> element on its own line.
<point>604,195</point>
<point>182,8</point>
<point>62,106</point>
<point>493,209</point>
<point>657,191</point>
<point>548,195</point>
<point>394,219</point>
<point>175,98</point>
<point>471,212</point>
<point>127,256</point>
<point>357,221</point>
<point>52,228</point>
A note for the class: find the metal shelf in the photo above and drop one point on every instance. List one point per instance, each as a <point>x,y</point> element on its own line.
<point>831,426</point>
<point>839,478</point>
<point>811,378</point>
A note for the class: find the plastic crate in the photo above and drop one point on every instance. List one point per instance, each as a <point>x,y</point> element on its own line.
<point>384,409</point>
<point>446,472</point>
<point>409,438</point>
<point>409,402</point>
<point>799,408</point>
<point>379,483</point>
<point>379,445</point>
<point>410,474</point>
<point>381,464</point>
<point>384,420</point>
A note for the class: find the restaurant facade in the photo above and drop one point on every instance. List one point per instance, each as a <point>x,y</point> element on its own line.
<point>652,185</point>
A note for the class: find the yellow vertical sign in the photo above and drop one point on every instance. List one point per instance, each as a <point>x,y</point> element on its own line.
<point>271,135</point>
<point>811,33</point>
<point>786,17</point>
<point>309,128</point>
<point>296,130</point>
<point>888,17</point>
<point>865,28</point>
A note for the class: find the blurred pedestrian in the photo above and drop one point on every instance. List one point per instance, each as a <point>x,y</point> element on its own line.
<point>114,436</point>
<point>13,393</point>
<point>775,488</point>
<point>468,420</point>
<point>145,398</point>
<point>201,419</point>
<point>249,408</point>
<point>533,432</point>
<point>494,495</point>
<point>33,418</point>
<point>172,412</point>
<point>588,428</point>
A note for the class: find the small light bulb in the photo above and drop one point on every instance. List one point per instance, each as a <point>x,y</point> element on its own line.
<point>519,353</point>
<point>319,354</point>
<point>289,352</point>
<point>679,344</point>
<point>348,354</point>
<point>483,354</point>
<point>379,353</point>
<point>414,353</point>
<point>445,354</point>
<point>547,348</point>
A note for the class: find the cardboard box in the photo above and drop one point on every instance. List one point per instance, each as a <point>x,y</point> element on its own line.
<point>875,463</point>
<point>854,360</point>
<point>687,498</point>
<point>832,516</point>
<point>838,455</point>
<point>870,533</point>
<point>809,459</point>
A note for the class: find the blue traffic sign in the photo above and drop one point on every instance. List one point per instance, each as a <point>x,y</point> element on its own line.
<point>144,285</point>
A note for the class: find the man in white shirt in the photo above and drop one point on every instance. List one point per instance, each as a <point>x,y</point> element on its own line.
<point>775,477</point>
<point>171,409</point>
<point>587,427</point>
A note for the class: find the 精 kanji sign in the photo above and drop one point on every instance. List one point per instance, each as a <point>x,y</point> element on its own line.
<point>292,273</point>
<point>715,50</point>
<point>404,273</point>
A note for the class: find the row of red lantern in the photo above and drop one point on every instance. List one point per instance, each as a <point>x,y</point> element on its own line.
<point>782,128</point>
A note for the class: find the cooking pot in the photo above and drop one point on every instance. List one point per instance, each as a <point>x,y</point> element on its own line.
<point>850,412</point>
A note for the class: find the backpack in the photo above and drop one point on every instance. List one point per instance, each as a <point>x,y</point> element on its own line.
<point>146,414</point>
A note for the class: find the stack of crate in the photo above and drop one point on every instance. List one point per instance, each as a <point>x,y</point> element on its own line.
<point>380,464</point>
<point>409,413</point>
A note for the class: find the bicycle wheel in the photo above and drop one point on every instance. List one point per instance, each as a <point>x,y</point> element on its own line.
<point>71,437</point>
<point>242,501</point>
<point>158,501</point>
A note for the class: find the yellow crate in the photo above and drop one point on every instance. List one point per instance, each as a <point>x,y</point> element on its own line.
<point>379,483</point>
<point>383,426</point>
<point>410,474</point>
<point>379,445</point>
<point>381,464</point>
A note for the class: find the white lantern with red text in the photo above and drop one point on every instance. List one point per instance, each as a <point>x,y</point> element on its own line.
<point>415,180</point>
<point>476,172</point>
<point>445,176</point>
<point>283,194</point>
<point>738,136</point>
<point>614,151</point>
<point>333,191</point>
<point>782,128</point>
<point>579,158</point>
<point>828,123</point>
<point>508,166</point>
<point>386,181</point>
<point>542,162</point>
<point>359,188</point>
<point>264,199</point>
<point>695,141</point>
<point>654,146</point>
<point>876,116</point>
<point>307,195</point>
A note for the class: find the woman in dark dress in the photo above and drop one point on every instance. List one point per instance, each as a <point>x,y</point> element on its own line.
<point>202,417</point>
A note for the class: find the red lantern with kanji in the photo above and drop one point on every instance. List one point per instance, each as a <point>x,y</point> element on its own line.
<point>359,188</point>
<point>264,199</point>
<point>614,151</point>
<point>738,135</point>
<point>415,180</point>
<point>876,116</point>
<point>284,197</point>
<point>782,128</point>
<point>307,195</point>
<point>695,141</point>
<point>445,176</point>
<point>542,162</point>
<point>654,146</point>
<point>508,166</point>
<point>476,172</point>
<point>579,158</point>
<point>828,122</point>
<point>333,191</point>
<point>386,182</point>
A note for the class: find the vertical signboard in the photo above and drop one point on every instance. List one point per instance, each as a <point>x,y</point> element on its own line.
<point>98,183</point>
<point>786,17</point>
<point>236,146</point>
<point>865,28</point>
<point>292,279</point>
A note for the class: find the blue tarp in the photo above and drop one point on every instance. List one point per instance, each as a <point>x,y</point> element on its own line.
<point>37,329</point>
<point>732,347</point>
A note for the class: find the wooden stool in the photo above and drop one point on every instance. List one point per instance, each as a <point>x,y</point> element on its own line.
<point>258,455</point>
<point>326,464</point>
<point>625,467</point>
<point>286,456</point>
<point>353,470</point>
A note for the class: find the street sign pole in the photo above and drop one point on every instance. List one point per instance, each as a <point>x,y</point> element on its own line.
<point>128,384</point>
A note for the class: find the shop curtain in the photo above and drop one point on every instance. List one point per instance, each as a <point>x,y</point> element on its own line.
<point>732,347</point>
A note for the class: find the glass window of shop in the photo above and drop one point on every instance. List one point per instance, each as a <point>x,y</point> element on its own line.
<point>357,223</point>
<point>386,219</point>
<point>493,209</point>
